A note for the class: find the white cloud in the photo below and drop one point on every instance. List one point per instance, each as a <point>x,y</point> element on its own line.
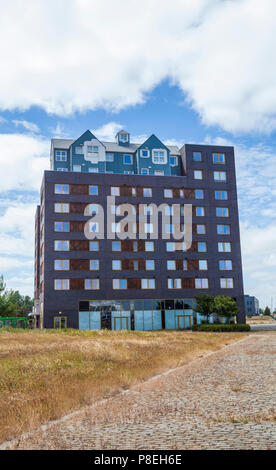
<point>2,120</point>
<point>58,131</point>
<point>29,126</point>
<point>22,161</point>
<point>79,55</point>
<point>107,131</point>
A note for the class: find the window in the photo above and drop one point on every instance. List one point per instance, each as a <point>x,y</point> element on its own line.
<point>94,245</point>
<point>225,265</point>
<point>61,188</point>
<point>128,159</point>
<point>128,172</point>
<point>226,283</point>
<point>61,284</point>
<point>62,169</point>
<point>93,190</point>
<point>202,264</point>
<point>201,283</point>
<point>135,265</point>
<point>145,153</point>
<point>220,176</point>
<point>93,169</point>
<point>222,212</point>
<point>171,265</point>
<point>200,211</point>
<point>61,156</point>
<point>116,265</point>
<point>115,191</point>
<point>147,192</point>
<point>218,158</point>
<point>94,265</point>
<point>78,150</point>
<point>201,246</point>
<point>116,227</point>
<point>223,229</point>
<point>221,195</point>
<point>224,247</point>
<point>109,157</point>
<point>61,264</point>
<point>173,161</point>
<point>158,156</point>
<point>149,246</point>
<point>92,149</point>
<point>148,228</point>
<point>201,229</point>
<point>150,265</point>
<point>169,210</point>
<point>62,227</point>
<point>197,156</point>
<point>168,193</point>
<point>123,138</point>
<point>199,194</point>
<point>174,284</point>
<point>144,171</point>
<point>62,207</point>
<point>92,284</point>
<point>77,168</point>
<point>119,283</point>
<point>175,246</point>
<point>198,174</point>
<point>116,246</point>
<point>60,322</point>
<point>169,228</point>
<point>93,209</point>
<point>148,210</point>
<point>148,283</point>
<point>159,173</point>
<point>133,191</point>
<point>61,245</point>
<point>93,227</point>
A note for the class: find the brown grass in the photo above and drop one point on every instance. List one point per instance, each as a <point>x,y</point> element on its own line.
<point>264,320</point>
<point>47,374</point>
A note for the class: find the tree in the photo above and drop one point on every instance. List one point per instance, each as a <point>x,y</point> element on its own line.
<point>204,305</point>
<point>261,312</point>
<point>267,311</point>
<point>225,306</point>
<point>12,303</point>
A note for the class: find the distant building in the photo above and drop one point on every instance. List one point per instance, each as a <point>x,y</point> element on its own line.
<point>251,305</point>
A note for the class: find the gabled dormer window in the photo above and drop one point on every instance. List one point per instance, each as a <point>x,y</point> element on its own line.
<point>122,137</point>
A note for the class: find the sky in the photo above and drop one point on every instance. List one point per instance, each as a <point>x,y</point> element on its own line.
<point>189,71</point>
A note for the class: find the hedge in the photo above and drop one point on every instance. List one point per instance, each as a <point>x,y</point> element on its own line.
<point>221,327</point>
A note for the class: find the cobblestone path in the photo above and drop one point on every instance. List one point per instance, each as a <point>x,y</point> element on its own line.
<point>226,400</point>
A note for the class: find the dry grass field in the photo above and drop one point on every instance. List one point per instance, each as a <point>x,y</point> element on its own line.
<point>264,320</point>
<point>47,374</point>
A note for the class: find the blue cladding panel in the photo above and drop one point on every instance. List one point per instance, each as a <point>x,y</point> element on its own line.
<point>84,320</point>
<point>148,320</point>
<point>139,320</point>
<point>95,320</point>
<point>157,320</point>
<point>170,319</point>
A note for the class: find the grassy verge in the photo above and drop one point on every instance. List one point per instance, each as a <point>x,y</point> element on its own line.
<point>46,374</point>
<point>266,319</point>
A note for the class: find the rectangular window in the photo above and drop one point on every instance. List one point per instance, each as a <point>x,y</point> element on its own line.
<point>128,159</point>
<point>93,169</point>
<point>150,265</point>
<point>119,283</point>
<point>202,264</point>
<point>94,245</point>
<point>61,188</point>
<point>144,171</point>
<point>201,229</point>
<point>197,156</point>
<point>128,172</point>
<point>201,283</point>
<point>225,265</point>
<point>116,246</point>
<point>144,153</point>
<point>78,150</point>
<point>109,157</point>
<point>92,284</point>
<point>92,209</point>
<point>133,192</point>
<point>147,192</point>
<point>223,229</point>
<point>173,161</point>
<point>148,283</point>
<point>148,210</point>
<point>94,265</point>
<point>220,176</point>
<point>174,284</point>
<point>175,246</point>
<point>158,156</point>
<point>116,227</point>
<point>222,212</point>
<point>199,194</point>
<point>168,193</point>
<point>148,228</point>
<point>61,264</point>
<point>116,265</point>
<point>224,247</point>
<point>226,283</point>
<point>171,265</point>
<point>62,227</point>
<point>115,191</point>
<point>61,284</point>
<point>77,168</point>
<point>149,246</point>
<point>198,174</point>
<point>219,158</point>
<point>61,156</point>
<point>159,172</point>
<point>62,169</point>
<point>61,245</point>
<point>201,247</point>
<point>221,195</point>
<point>62,207</point>
<point>93,190</point>
<point>200,211</point>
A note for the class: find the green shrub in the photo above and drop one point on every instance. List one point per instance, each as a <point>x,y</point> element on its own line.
<point>221,327</point>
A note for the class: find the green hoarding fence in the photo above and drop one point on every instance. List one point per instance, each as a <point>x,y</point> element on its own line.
<point>13,322</point>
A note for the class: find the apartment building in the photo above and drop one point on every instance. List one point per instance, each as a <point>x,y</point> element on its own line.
<point>251,305</point>
<point>88,277</point>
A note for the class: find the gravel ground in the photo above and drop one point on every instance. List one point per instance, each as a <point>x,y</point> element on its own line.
<point>226,400</point>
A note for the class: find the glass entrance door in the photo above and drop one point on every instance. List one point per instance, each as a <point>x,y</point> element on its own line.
<point>120,323</point>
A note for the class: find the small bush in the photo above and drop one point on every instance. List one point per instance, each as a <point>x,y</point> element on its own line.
<point>221,327</point>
